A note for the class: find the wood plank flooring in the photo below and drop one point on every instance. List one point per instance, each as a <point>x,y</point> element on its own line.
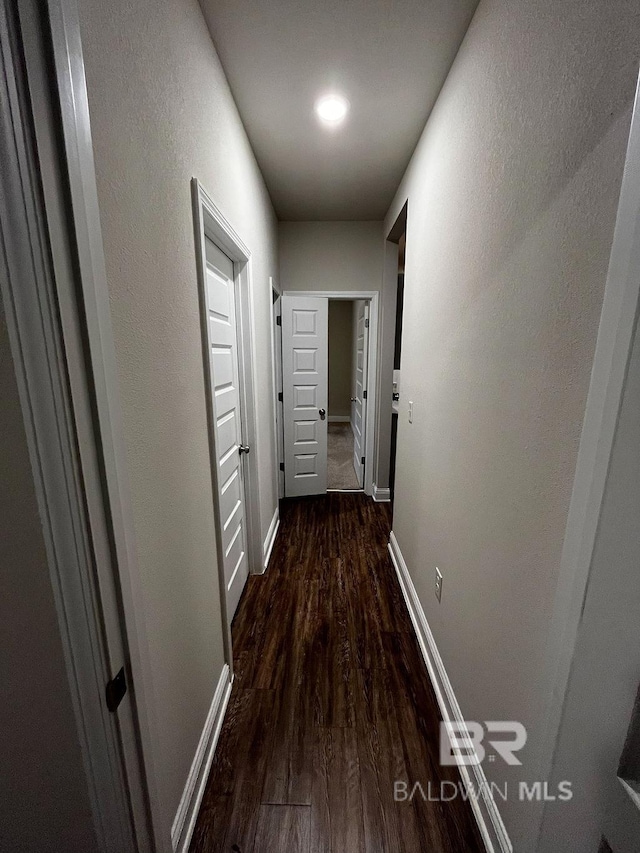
<point>331,703</point>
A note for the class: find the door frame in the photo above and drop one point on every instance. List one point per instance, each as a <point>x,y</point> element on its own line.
<point>81,478</point>
<point>382,491</point>
<point>210,222</point>
<point>614,345</point>
<point>372,297</point>
<point>365,402</point>
<point>276,362</point>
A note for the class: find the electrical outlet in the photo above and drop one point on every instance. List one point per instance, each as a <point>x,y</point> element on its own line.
<point>410,411</point>
<point>438,584</point>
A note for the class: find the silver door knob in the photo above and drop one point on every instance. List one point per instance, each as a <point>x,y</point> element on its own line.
<point>353,399</point>
<point>243,448</point>
<point>322,414</point>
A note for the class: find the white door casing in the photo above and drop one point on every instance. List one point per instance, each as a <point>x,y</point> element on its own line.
<point>44,270</point>
<point>360,391</point>
<point>227,421</point>
<point>305,355</point>
<point>277,389</point>
<point>372,298</point>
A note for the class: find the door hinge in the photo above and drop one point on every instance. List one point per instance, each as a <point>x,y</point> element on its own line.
<point>115,690</point>
<point>282,466</point>
<point>364,395</point>
<point>366,324</point>
<point>279,320</point>
<point>280,397</point>
<point>362,460</point>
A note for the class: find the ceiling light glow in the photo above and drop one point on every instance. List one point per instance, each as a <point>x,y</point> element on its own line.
<point>332,109</point>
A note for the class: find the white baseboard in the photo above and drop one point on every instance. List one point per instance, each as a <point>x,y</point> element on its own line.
<point>381,495</point>
<point>486,812</point>
<point>267,548</point>
<point>339,419</point>
<point>185,819</point>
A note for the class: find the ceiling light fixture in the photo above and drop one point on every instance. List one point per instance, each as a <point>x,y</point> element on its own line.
<point>332,109</point>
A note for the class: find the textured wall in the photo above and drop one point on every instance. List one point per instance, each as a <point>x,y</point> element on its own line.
<point>44,804</point>
<point>512,194</point>
<point>330,255</point>
<point>161,114</point>
<point>340,356</point>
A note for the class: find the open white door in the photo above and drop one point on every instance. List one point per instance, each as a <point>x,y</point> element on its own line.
<point>227,423</point>
<point>305,355</point>
<point>360,391</point>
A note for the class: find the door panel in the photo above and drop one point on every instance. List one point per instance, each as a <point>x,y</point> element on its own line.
<point>305,353</point>
<point>227,421</point>
<point>360,403</point>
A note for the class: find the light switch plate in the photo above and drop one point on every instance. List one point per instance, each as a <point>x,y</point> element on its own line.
<point>410,411</point>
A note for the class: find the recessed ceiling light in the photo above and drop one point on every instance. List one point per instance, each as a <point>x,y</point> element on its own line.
<point>332,109</point>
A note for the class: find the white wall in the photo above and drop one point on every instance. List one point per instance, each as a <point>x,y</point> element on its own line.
<point>161,114</point>
<point>512,194</point>
<point>330,255</point>
<point>44,804</point>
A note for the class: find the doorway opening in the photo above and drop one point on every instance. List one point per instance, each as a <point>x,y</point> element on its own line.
<point>397,353</point>
<point>397,238</point>
<point>329,356</point>
<point>345,466</point>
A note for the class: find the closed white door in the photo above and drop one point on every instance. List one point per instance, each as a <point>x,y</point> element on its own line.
<point>360,390</point>
<point>305,367</point>
<point>227,421</point>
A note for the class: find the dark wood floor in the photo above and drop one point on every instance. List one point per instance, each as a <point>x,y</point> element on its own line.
<point>331,703</point>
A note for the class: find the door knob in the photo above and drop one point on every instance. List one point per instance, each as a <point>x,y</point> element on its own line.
<point>322,414</point>
<point>243,448</point>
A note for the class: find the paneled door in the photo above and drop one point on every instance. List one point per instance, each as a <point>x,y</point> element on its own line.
<point>360,390</point>
<point>305,368</point>
<point>227,421</point>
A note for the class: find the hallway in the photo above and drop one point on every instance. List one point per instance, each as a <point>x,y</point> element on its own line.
<point>331,703</point>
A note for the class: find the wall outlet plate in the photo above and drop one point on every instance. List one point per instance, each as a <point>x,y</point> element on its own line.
<point>438,584</point>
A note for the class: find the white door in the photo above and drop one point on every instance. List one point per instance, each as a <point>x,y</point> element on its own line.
<point>360,390</point>
<point>305,368</point>
<point>227,422</point>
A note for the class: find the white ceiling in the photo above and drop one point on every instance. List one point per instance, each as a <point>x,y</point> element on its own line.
<point>389,57</point>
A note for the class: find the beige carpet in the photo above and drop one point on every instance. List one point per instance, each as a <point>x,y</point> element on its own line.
<point>341,473</point>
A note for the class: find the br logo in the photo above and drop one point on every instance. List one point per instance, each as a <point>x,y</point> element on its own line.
<point>464,743</point>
